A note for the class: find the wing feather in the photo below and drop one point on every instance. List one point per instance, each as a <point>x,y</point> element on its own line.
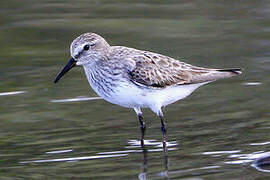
<point>160,71</point>
<point>156,70</point>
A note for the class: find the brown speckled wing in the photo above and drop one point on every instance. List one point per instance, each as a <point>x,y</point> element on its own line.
<point>156,70</point>
<point>160,71</point>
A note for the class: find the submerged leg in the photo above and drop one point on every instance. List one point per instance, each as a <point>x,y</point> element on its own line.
<point>163,129</point>
<point>165,150</point>
<point>142,175</point>
<point>142,124</point>
<point>143,127</point>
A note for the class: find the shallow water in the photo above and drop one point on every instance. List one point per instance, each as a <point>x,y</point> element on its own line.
<point>61,131</point>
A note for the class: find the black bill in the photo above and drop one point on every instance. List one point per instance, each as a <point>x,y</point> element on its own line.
<point>71,63</point>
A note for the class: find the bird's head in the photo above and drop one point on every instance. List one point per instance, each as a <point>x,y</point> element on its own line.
<point>86,49</point>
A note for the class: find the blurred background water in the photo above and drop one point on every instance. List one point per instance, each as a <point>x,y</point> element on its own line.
<point>58,131</point>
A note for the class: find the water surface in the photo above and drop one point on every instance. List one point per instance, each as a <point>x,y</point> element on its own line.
<point>61,131</point>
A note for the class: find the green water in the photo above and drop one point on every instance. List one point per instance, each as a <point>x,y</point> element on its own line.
<point>216,133</point>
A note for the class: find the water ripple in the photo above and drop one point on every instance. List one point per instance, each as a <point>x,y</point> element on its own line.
<point>221,152</point>
<point>80,98</point>
<point>137,151</point>
<point>12,93</point>
<point>151,142</point>
<point>73,159</point>
<point>246,158</point>
<point>59,152</point>
<point>259,144</point>
<point>193,169</point>
<point>252,83</point>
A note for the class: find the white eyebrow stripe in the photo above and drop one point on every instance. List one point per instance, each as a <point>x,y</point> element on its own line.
<point>78,50</point>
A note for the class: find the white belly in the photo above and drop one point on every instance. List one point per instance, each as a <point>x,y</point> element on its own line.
<point>131,96</point>
<point>127,94</point>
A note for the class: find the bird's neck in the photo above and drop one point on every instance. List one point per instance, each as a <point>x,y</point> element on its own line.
<point>100,78</point>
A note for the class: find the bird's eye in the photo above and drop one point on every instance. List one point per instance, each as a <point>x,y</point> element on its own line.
<point>86,47</point>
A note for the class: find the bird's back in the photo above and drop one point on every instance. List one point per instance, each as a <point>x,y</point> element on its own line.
<point>156,70</point>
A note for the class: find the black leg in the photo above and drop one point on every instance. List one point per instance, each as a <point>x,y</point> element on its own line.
<point>163,130</point>
<point>165,150</point>
<point>143,127</point>
<point>142,175</point>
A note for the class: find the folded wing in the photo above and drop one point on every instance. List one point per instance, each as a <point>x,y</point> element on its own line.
<point>156,70</point>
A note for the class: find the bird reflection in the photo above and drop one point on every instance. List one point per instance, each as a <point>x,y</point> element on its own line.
<point>143,174</point>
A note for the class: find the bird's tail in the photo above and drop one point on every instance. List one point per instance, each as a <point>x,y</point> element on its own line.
<point>234,71</point>
<point>215,74</point>
<point>226,73</point>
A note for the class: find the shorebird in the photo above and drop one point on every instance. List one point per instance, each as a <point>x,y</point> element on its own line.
<point>138,79</point>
